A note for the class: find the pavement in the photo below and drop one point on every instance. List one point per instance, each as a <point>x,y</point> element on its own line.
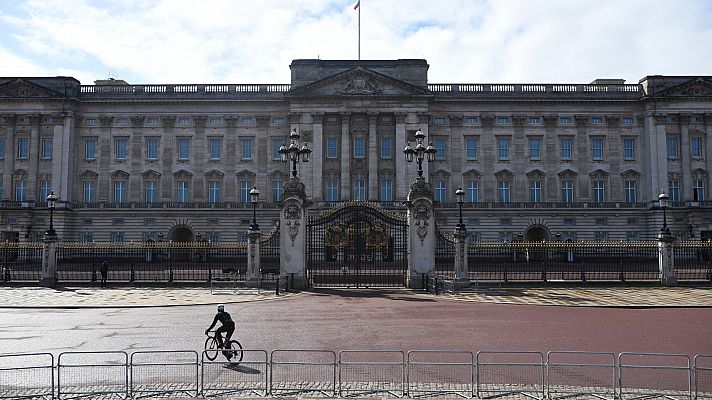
<point>142,296</point>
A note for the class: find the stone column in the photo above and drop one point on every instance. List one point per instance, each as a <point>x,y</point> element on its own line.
<point>104,156</point>
<point>49,262</point>
<point>318,155</point>
<point>421,232</point>
<point>462,276</point>
<point>372,157</point>
<point>293,235</point>
<point>708,147</point>
<point>137,155</point>
<point>683,120</point>
<point>9,158</point>
<point>666,260</point>
<point>401,187</point>
<point>252,278</point>
<point>345,157</point>
<point>168,144</point>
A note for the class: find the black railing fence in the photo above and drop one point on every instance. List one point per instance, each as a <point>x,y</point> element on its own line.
<point>20,261</point>
<point>269,256</point>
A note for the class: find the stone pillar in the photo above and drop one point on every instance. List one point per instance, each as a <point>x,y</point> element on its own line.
<point>293,235</point>
<point>346,150</point>
<point>49,262</point>
<point>685,158</point>
<point>421,232</point>
<point>372,157</point>
<point>462,276</point>
<point>401,187</point>
<point>666,260</point>
<point>252,279</point>
<point>317,159</point>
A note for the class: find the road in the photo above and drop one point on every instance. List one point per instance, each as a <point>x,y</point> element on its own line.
<point>343,319</point>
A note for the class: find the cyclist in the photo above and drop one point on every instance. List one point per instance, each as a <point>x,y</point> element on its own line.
<point>228,326</point>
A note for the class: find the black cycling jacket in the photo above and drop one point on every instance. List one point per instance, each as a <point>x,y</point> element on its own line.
<point>224,318</point>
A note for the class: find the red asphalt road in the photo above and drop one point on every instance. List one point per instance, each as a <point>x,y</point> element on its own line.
<point>387,320</point>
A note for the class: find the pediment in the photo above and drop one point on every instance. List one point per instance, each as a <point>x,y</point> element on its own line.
<point>536,173</point>
<point>699,87</point>
<point>358,81</point>
<point>568,173</point>
<point>20,88</point>
<point>151,173</point>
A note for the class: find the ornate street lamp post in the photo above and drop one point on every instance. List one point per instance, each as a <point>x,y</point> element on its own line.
<point>460,194</point>
<point>254,198</point>
<point>51,200</point>
<point>664,203</point>
<point>293,152</point>
<point>420,152</point>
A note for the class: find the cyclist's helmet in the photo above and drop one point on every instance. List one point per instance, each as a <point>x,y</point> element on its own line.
<point>221,307</point>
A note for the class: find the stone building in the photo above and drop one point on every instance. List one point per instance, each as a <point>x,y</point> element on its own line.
<point>177,161</point>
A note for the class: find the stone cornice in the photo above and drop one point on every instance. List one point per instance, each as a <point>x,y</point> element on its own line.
<point>317,117</point>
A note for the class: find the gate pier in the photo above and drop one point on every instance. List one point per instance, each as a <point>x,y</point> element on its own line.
<point>421,232</point>
<point>292,241</point>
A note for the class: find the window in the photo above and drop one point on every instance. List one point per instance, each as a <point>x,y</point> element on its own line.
<point>119,191</point>
<point>277,191</point>
<point>597,149</point>
<point>87,237</point>
<point>503,191</point>
<point>89,193</point>
<point>332,150</point>
<point>473,191</point>
<point>359,190</point>
<point>472,237</point>
<point>120,147</point>
<point>599,191</point>
<point>386,190</point>
<point>440,191</point>
<point>90,149</point>
<point>535,149</point>
<point>698,190</point>
<point>503,149</point>
<point>276,145</point>
<point>359,147</point>
<point>46,148</point>
<point>214,191</point>
<point>246,149</point>
<point>245,187</point>
<point>386,147</point>
<point>567,191</point>
<point>151,191</point>
<point>117,237</point>
<point>215,121</point>
<point>215,145</point>
<point>182,192</point>
<point>566,149</point>
<point>695,120</point>
<point>214,237</point>
<point>627,121</point>
<point>534,121</point>
<point>183,149</point>
<point>153,121</point>
<point>332,191</point>
<point>674,190</point>
<point>535,191</point>
<point>566,120</point>
<point>696,144</point>
<point>2,190</point>
<point>152,149</point>
<point>631,236</point>
<point>21,190</point>
<point>118,221</point>
<point>505,221</point>
<point>502,120</point>
<point>632,221</point>
<point>440,149</point>
<point>23,148</point>
<point>183,121</point>
<point>629,149</point>
<point>672,147</point>
<point>600,236</point>
<point>122,121</point>
<point>439,121</point>
<point>471,146</point>
<point>472,121</point>
<point>45,190</point>
<point>596,120</point>
<point>90,121</point>
<point>569,221</point>
<point>2,149</point>
<point>630,193</point>
<point>278,121</point>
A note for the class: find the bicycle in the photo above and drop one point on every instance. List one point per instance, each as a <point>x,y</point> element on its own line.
<point>231,347</point>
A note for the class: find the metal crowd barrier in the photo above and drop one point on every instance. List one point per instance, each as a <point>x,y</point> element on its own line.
<point>28,375</point>
<point>440,372</point>
<point>365,372</point>
<point>299,371</point>
<point>220,377</point>
<point>85,373</point>
<point>643,375</point>
<point>164,372</point>
<point>703,376</point>
<point>502,373</point>
<point>578,373</point>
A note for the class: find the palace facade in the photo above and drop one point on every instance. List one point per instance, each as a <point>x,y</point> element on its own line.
<point>177,161</point>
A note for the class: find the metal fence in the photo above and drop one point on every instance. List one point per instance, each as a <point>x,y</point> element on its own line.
<point>20,261</point>
<point>388,373</point>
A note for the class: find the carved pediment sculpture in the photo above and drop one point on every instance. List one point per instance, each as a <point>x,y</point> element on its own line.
<point>359,84</point>
<point>22,88</point>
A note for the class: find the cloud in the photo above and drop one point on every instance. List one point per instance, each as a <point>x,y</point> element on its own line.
<point>182,41</point>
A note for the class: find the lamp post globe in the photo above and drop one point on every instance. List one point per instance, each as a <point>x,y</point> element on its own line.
<point>460,194</point>
<point>664,201</point>
<point>293,153</point>
<point>51,200</point>
<point>254,198</point>
<point>420,152</point>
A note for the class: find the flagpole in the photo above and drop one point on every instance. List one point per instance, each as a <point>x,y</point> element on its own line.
<point>359,30</point>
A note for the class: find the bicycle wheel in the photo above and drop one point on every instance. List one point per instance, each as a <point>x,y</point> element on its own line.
<point>211,345</point>
<point>236,348</point>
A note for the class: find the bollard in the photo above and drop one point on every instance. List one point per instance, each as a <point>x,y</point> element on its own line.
<point>93,273</point>
<point>435,283</point>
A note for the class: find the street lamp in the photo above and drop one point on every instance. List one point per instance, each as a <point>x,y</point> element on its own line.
<point>254,197</point>
<point>664,203</point>
<point>293,152</point>
<point>420,152</point>
<point>460,194</point>
<point>51,199</point>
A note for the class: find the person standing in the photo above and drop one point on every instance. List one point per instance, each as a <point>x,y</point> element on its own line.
<point>104,272</point>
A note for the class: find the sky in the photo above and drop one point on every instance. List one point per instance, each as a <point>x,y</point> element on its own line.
<point>254,41</point>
